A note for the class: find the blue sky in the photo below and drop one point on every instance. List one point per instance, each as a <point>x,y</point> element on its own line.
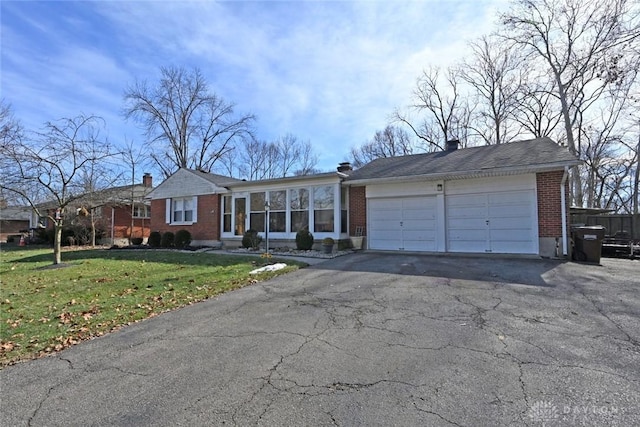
<point>327,72</point>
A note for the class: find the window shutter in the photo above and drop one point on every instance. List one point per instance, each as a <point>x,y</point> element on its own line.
<point>195,208</point>
<point>168,211</point>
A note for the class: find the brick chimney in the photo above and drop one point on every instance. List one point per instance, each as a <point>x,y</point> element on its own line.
<point>452,145</point>
<point>147,180</point>
<point>345,167</point>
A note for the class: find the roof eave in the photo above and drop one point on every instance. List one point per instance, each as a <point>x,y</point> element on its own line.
<point>477,173</point>
<point>240,184</point>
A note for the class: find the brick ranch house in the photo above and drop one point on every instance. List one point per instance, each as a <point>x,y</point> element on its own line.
<point>14,222</point>
<point>508,199</point>
<point>120,212</point>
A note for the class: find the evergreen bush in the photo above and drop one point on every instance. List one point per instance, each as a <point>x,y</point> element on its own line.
<point>304,240</point>
<point>251,239</point>
<point>183,239</point>
<point>168,238</point>
<point>155,239</point>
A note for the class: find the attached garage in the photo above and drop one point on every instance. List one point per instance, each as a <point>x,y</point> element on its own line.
<point>403,223</point>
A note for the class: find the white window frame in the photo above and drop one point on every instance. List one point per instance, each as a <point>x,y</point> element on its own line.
<point>146,211</point>
<point>169,214</point>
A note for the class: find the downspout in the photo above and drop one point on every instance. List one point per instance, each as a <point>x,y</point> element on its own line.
<point>563,201</point>
<point>113,213</point>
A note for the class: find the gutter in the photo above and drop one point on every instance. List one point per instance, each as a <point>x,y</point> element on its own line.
<point>563,208</point>
<point>113,214</point>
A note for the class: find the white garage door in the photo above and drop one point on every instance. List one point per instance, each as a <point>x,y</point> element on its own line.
<point>497,222</point>
<point>407,223</point>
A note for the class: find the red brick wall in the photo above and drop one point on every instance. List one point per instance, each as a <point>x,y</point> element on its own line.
<point>549,203</point>
<point>207,226</point>
<point>357,210</point>
<point>122,223</point>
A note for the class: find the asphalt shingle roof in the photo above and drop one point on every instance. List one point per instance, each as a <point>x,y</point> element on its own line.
<point>219,180</point>
<point>533,152</point>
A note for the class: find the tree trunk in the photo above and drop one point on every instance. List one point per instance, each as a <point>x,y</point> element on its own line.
<point>57,238</point>
<point>93,229</point>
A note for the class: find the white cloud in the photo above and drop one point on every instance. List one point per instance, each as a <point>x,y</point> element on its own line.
<point>330,72</point>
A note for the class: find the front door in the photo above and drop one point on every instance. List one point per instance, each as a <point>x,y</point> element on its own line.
<point>241,216</point>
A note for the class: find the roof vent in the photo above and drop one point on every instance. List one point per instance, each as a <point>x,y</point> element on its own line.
<point>345,167</point>
<point>452,145</point>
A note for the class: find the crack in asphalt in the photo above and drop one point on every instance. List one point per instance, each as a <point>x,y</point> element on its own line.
<point>595,305</point>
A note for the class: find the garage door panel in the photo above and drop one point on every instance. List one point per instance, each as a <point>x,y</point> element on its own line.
<point>508,235</point>
<point>466,223</point>
<point>385,215</point>
<point>403,223</point>
<point>420,215</point>
<point>523,212</point>
<point>468,234</point>
<point>509,198</point>
<point>386,224</point>
<point>467,200</point>
<point>512,224</point>
<point>506,247</point>
<point>416,225</point>
<point>467,246</point>
<point>492,221</point>
<point>465,212</point>
<point>419,235</point>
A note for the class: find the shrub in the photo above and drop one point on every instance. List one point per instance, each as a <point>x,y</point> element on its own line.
<point>167,239</point>
<point>251,239</point>
<point>183,239</point>
<point>328,241</point>
<point>304,240</point>
<point>137,241</point>
<point>155,239</point>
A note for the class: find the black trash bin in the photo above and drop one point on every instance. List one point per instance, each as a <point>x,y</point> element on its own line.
<point>588,243</point>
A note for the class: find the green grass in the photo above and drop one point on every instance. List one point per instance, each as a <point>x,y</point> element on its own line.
<point>45,309</point>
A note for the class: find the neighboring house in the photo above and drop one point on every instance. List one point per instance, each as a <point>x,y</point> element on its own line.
<point>120,212</point>
<point>14,222</point>
<point>509,198</point>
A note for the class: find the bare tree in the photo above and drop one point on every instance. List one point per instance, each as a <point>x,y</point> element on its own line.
<point>136,158</point>
<point>307,160</point>
<point>11,134</point>
<point>286,156</point>
<point>390,142</point>
<point>11,129</point>
<point>535,109</point>
<point>96,179</point>
<point>47,171</point>
<point>577,41</point>
<point>441,99</point>
<point>188,125</point>
<point>494,73</point>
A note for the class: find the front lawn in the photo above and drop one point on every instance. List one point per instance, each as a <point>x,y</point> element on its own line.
<point>45,309</point>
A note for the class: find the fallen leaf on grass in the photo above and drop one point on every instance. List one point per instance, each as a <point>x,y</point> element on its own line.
<point>6,346</point>
<point>65,317</point>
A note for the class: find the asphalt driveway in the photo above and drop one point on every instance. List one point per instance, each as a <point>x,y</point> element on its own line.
<point>366,339</point>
